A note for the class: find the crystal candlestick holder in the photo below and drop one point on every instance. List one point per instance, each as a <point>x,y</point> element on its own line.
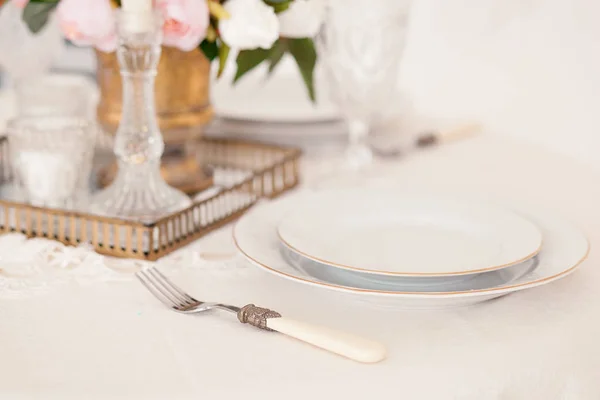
<point>138,191</point>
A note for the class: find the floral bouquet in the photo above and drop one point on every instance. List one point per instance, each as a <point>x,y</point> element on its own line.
<point>259,30</point>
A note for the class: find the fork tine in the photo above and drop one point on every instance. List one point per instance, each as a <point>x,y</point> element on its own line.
<point>142,277</point>
<point>172,291</point>
<point>172,286</point>
<point>167,289</point>
<point>164,289</point>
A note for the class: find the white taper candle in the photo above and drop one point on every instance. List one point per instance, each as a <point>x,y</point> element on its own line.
<point>136,6</point>
<point>141,14</point>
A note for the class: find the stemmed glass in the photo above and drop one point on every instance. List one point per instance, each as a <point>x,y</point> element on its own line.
<point>360,46</point>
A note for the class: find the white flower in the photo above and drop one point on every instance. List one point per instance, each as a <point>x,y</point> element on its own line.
<point>252,24</point>
<point>302,19</point>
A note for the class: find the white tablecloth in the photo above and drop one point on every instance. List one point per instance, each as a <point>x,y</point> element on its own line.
<point>111,340</point>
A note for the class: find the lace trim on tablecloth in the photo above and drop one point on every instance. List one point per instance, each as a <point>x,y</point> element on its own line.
<point>30,267</point>
<point>36,266</point>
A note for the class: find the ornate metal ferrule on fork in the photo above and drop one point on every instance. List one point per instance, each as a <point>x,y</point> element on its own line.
<point>256,316</point>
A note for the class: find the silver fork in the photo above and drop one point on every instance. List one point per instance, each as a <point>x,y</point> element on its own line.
<point>344,344</point>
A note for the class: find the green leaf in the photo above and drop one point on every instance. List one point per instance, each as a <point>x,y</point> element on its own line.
<point>36,14</point>
<point>303,51</point>
<point>276,54</point>
<point>223,55</point>
<point>248,60</point>
<point>210,49</point>
<point>279,6</point>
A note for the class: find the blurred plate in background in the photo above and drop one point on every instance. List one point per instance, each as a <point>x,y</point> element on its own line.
<point>281,97</point>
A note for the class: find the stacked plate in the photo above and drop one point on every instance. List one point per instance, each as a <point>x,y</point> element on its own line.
<point>409,250</point>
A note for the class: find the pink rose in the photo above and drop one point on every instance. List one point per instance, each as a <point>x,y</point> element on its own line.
<point>185,23</point>
<point>88,22</point>
<point>19,3</point>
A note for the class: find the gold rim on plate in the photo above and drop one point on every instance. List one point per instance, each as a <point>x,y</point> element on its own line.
<point>463,293</point>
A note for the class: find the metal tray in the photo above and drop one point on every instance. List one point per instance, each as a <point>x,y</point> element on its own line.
<point>243,172</point>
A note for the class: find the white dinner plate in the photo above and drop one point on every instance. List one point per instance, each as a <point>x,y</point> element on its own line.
<point>396,234</point>
<point>564,248</point>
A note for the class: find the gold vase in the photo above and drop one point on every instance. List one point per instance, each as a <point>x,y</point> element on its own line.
<point>181,93</point>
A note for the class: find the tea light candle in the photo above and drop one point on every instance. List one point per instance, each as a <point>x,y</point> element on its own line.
<point>47,178</point>
<point>141,14</point>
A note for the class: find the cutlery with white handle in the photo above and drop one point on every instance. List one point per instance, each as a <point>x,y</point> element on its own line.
<point>344,344</point>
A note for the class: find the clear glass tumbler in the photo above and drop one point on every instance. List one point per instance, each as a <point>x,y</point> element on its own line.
<point>360,46</point>
<point>51,160</point>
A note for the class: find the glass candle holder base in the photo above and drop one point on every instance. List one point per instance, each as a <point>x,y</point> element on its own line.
<point>139,193</point>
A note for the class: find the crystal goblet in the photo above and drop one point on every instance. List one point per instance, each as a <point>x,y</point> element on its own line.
<point>360,46</point>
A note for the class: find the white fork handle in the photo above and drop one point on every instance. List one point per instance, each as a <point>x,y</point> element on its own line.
<point>342,343</point>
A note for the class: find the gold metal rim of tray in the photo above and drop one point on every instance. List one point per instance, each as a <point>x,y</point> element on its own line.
<point>256,170</point>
